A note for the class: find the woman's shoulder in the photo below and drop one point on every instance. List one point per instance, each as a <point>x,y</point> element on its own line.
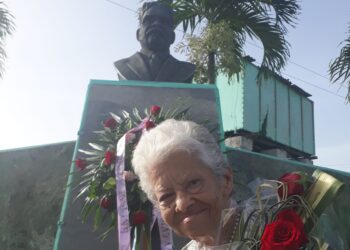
<point>190,245</point>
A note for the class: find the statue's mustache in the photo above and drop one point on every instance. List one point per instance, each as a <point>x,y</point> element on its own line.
<point>155,29</point>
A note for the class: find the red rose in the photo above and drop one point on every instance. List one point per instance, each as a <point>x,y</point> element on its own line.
<point>295,183</point>
<point>139,218</point>
<point>110,123</point>
<point>155,110</point>
<point>80,164</point>
<point>149,125</point>
<point>285,233</point>
<point>106,203</point>
<point>109,157</point>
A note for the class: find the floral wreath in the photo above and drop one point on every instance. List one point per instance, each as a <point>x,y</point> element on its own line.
<point>99,184</point>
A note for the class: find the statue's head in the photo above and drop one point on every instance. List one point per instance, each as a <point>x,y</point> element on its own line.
<point>156,31</point>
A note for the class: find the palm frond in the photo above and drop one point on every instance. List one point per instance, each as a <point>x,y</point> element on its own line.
<point>339,69</point>
<point>189,13</point>
<point>276,48</point>
<point>286,11</point>
<point>6,28</point>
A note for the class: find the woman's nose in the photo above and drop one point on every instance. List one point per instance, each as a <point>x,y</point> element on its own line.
<point>183,202</point>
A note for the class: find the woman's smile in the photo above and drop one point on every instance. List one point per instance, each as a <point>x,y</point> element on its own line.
<point>190,218</point>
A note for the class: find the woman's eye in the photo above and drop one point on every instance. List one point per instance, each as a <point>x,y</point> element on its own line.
<point>194,185</point>
<point>194,182</point>
<point>165,198</point>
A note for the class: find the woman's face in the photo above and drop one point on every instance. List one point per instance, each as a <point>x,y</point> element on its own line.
<point>190,196</point>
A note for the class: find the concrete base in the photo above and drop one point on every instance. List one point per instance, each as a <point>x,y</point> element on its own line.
<point>239,142</point>
<point>276,152</point>
<point>307,161</point>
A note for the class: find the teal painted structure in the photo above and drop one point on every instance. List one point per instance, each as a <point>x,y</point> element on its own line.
<point>274,108</point>
<point>103,97</point>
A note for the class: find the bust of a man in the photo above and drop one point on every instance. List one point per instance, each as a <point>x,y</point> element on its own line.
<point>154,62</point>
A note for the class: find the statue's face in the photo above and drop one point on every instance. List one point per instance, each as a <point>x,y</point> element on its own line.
<point>156,30</point>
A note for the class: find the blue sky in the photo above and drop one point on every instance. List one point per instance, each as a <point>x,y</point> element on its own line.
<point>58,46</point>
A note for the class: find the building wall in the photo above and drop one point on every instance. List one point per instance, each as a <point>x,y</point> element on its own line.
<point>274,108</point>
<point>32,185</point>
<point>33,180</point>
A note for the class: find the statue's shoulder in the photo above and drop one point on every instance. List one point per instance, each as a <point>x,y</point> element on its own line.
<point>128,60</point>
<point>182,64</point>
<point>132,68</point>
<point>183,71</point>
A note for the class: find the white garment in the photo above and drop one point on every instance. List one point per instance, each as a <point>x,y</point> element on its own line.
<point>193,245</point>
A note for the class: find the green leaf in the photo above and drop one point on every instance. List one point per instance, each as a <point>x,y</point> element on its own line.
<point>90,152</point>
<point>109,184</point>
<point>99,132</point>
<point>182,113</point>
<point>82,191</point>
<point>87,209</point>
<point>137,114</point>
<point>93,190</point>
<point>125,114</point>
<point>97,147</point>
<point>84,181</point>
<point>91,166</point>
<point>146,112</point>
<point>92,172</point>
<point>98,218</point>
<point>94,158</point>
<point>115,117</point>
<point>111,227</point>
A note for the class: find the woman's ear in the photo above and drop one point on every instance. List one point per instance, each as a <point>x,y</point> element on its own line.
<point>138,34</point>
<point>173,36</point>
<point>228,182</point>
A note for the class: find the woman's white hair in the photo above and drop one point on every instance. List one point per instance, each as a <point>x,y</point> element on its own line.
<point>173,136</point>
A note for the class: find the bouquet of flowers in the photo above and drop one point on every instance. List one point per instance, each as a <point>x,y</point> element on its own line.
<point>286,217</point>
<point>109,180</point>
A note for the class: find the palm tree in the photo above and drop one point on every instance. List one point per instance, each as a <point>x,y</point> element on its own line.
<point>227,23</point>
<point>339,69</point>
<point>6,28</point>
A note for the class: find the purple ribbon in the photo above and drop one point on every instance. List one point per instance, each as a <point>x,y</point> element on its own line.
<point>122,204</point>
<point>166,237</point>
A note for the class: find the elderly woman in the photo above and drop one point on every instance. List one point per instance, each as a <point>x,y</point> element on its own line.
<point>184,173</point>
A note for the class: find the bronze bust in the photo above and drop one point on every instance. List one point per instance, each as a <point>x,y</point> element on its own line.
<point>154,62</point>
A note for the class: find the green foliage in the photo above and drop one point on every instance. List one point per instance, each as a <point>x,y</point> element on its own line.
<point>109,184</point>
<point>339,69</point>
<point>214,38</point>
<point>230,22</point>
<point>6,28</point>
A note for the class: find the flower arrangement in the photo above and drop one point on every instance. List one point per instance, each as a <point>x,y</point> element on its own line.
<point>99,183</point>
<point>285,219</point>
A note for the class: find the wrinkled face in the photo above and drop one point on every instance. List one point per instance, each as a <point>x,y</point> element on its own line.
<point>190,196</point>
<point>156,29</point>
